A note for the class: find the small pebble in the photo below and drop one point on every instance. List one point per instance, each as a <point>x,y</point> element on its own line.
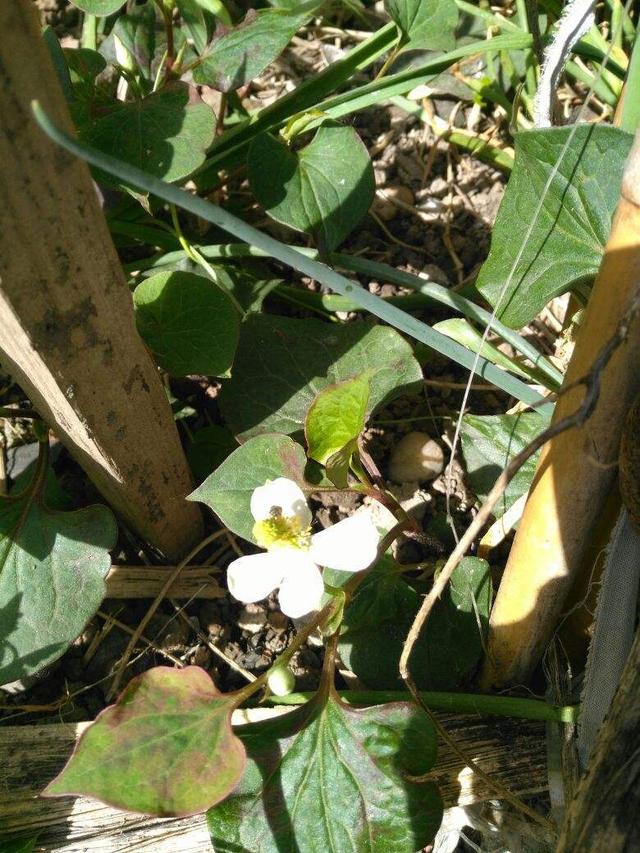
<point>384,205</point>
<point>416,458</point>
<point>252,618</point>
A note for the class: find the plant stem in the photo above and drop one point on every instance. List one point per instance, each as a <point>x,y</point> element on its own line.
<point>455,703</point>
<point>630,102</point>
<point>426,292</point>
<point>89,37</point>
<point>291,257</point>
<point>197,258</point>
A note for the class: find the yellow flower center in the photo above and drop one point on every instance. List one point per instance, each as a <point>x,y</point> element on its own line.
<point>281,531</point>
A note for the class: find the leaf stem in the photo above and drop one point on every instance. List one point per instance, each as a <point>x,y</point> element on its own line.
<point>456,703</point>
<point>197,258</point>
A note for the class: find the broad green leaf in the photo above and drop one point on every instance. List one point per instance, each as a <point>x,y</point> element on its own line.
<point>380,615</point>
<point>424,24</point>
<point>565,244</point>
<point>84,65</point>
<point>228,490</point>
<point>52,576</point>
<point>137,32</point>
<point>461,330</point>
<point>165,748</point>
<point>210,447</point>
<point>336,417</point>
<point>98,7</point>
<point>489,442</point>
<point>323,189</point>
<point>282,364</point>
<point>195,21</point>
<point>236,56</point>
<point>164,133</point>
<point>331,777</point>
<point>188,322</point>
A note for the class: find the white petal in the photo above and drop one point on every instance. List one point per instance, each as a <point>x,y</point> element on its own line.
<point>252,578</point>
<point>284,494</point>
<point>349,546</point>
<point>302,588</point>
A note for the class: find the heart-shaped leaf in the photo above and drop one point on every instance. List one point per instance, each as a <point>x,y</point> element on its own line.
<point>210,447</point>
<point>564,247</point>
<point>52,576</point>
<point>324,189</point>
<point>236,56</point>
<point>330,777</point>
<point>195,21</point>
<point>188,322</point>
<point>137,32</point>
<point>489,442</point>
<point>228,490</point>
<point>166,748</point>
<point>380,615</point>
<point>282,364</point>
<point>98,7</point>
<point>424,24</point>
<point>163,134</point>
<point>336,417</point>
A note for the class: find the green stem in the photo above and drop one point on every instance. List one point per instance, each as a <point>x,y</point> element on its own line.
<point>456,703</point>
<point>197,258</point>
<point>630,118</point>
<point>427,292</point>
<point>89,37</point>
<point>291,257</point>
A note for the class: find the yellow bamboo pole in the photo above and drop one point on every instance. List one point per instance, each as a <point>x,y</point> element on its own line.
<point>578,468</point>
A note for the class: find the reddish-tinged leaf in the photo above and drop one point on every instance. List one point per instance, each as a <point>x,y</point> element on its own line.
<point>165,748</point>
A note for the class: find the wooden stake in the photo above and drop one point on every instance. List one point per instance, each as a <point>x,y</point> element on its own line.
<point>605,814</point>
<point>513,751</point>
<point>577,469</point>
<point>67,330</point>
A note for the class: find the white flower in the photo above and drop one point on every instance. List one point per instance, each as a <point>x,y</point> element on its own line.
<point>293,555</point>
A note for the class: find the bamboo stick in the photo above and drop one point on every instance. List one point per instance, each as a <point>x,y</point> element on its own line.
<point>67,330</point>
<point>577,469</point>
<point>147,581</point>
<point>512,750</point>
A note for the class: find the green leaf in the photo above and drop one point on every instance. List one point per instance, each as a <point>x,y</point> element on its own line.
<point>52,570</point>
<point>228,490</point>
<point>195,21</point>
<point>84,64</point>
<point>98,7</point>
<point>424,24</point>
<point>137,32</point>
<point>380,615</point>
<point>163,133</point>
<point>461,330</point>
<point>165,748</point>
<point>188,322</point>
<point>336,417</point>
<point>238,55</point>
<point>210,447</point>
<point>331,777</point>
<point>323,189</point>
<point>282,364</point>
<point>489,442</point>
<point>565,245</point>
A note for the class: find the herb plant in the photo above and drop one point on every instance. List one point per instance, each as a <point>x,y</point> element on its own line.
<point>299,387</point>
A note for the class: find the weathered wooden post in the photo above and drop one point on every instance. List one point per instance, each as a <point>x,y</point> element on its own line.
<point>67,331</point>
